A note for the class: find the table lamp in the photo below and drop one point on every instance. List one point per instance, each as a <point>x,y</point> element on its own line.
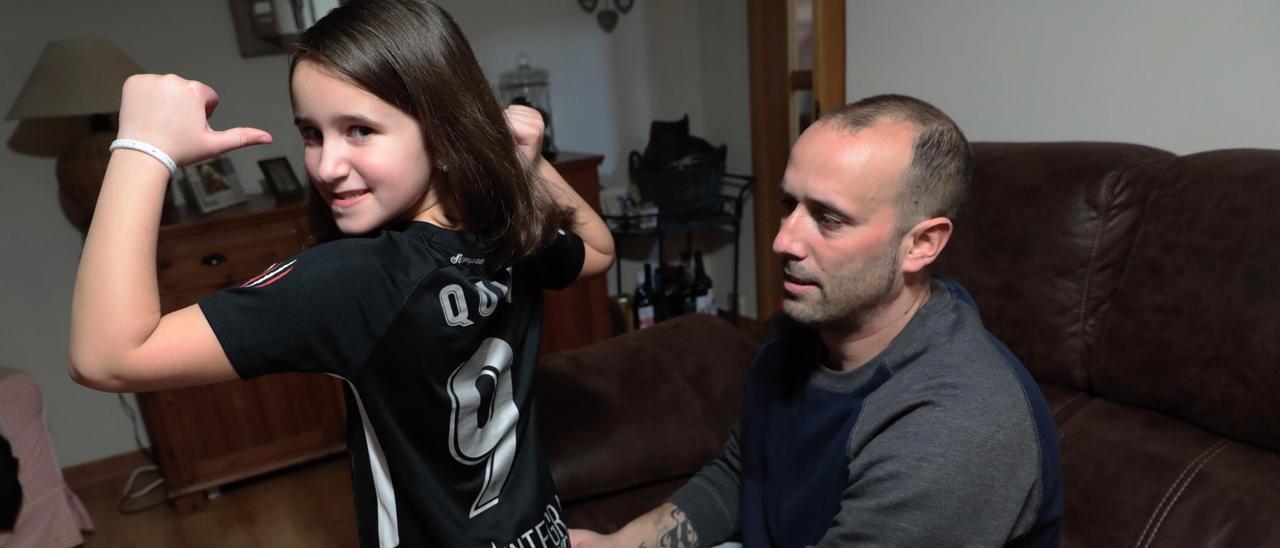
<point>75,87</point>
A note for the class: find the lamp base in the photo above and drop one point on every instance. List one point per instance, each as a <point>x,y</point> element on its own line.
<point>80,169</point>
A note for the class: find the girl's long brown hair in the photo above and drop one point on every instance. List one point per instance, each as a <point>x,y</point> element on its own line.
<point>411,54</point>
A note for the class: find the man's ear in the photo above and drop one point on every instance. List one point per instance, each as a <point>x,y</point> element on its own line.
<point>924,242</point>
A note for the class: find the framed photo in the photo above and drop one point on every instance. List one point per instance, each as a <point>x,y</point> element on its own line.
<point>212,185</point>
<point>280,180</point>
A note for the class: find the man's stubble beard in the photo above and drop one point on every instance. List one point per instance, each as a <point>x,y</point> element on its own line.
<point>847,300</point>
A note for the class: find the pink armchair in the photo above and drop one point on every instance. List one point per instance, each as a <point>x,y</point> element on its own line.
<point>51,516</point>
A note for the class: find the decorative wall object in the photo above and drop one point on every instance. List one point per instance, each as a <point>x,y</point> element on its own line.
<point>610,12</point>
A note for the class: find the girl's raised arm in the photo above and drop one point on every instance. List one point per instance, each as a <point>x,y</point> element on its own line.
<point>527,126</point>
<point>119,341</point>
<point>596,238</point>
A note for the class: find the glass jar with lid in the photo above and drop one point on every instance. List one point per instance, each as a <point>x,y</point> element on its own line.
<point>529,86</point>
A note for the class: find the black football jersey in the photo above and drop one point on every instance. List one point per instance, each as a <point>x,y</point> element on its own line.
<point>438,357</point>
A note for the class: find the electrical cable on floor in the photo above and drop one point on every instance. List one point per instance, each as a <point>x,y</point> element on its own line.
<point>126,496</point>
<point>133,418</point>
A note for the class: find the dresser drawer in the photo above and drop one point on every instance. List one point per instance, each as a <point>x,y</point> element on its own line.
<point>217,259</point>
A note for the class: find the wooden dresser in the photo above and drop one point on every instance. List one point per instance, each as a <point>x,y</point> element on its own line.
<point>207,436</point>
<point>577,315</point>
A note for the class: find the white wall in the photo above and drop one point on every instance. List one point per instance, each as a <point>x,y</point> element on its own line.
<point>665,58</point>
<point>1183,75</point>
<point>726,101</point>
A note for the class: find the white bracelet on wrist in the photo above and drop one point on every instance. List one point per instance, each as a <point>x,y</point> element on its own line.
<point>149,150</point>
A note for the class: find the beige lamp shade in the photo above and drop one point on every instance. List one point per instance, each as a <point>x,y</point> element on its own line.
<point>74,78</point>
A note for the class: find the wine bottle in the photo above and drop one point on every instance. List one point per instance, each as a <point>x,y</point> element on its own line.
<point>704,299</point>
<point>686,297</point>
<point>670,283</point>
<point>657,288</point>
<point>642,303</point>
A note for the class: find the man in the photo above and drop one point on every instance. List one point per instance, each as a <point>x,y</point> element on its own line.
<point>880,412</point>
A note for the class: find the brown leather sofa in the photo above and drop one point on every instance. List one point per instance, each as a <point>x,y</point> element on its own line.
<point>1141,290</point>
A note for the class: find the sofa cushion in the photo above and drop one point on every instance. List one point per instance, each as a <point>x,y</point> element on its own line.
<point>1231,501</point>
<point>1063,402</point>
<point>1140,478</point>
<point>1194,328</point>
<point>1038,215</point>
<point>662,408</point>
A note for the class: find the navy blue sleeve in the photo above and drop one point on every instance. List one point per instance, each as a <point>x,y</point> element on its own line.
<point>323,311</point>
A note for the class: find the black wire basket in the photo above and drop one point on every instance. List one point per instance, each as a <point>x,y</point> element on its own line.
<point>686,189</point>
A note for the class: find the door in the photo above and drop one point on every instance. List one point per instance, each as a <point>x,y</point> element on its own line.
<point>797,70</point>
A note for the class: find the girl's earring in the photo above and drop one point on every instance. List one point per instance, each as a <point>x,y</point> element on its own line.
<point>443,167</point>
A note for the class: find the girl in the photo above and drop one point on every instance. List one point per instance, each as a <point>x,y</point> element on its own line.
<point>430,306</point>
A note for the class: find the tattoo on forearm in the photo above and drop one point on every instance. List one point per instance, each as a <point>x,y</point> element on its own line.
<point>676,532</point>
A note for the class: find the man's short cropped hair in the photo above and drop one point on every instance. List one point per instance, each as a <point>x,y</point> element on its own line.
<point>936,182</point>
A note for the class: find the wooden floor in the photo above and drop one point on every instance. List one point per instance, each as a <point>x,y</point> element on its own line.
<point>307,506</point>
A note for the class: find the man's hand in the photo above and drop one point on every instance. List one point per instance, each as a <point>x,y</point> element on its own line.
<point>663,527</point>
<point>527,126</point>
<point>172,114</point>
<point>582,538</point>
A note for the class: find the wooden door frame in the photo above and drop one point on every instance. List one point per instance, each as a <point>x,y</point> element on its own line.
<point>828,54</point>
<point>772,82</point>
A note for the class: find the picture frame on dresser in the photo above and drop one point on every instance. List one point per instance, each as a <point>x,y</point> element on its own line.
<point>212,185</point>
<point>279,179</point>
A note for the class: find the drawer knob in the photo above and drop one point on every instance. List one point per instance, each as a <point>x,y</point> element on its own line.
<point>213,259</point>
